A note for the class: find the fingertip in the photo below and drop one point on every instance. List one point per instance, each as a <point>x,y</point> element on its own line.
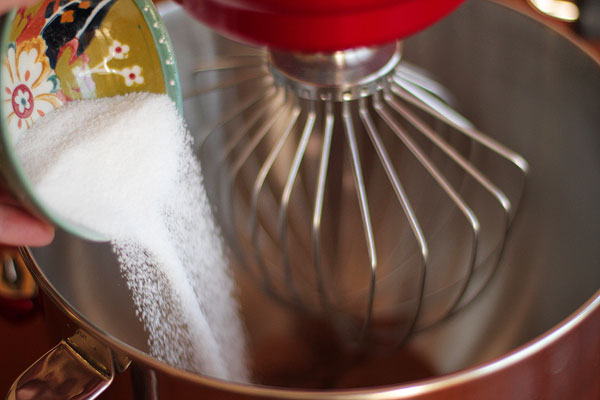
<point>42,235</point>
<point>19,228</point>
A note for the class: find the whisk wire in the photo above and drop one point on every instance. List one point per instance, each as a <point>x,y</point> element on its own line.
<point>232,114</point>
<point>500,197</point>
<point>441,111</point>
<point>364,211</point>
<point>404,202</point>
<point>258,185</point>
<point>417,78</point>
<point>273,96</point>
<point>456,198</point>
<point>318,208</point>
<point>433,101</point>
<point>467,130</point>
<point>254,141</point>
<point>285,197</point>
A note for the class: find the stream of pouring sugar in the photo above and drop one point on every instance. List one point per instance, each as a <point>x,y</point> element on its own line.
<point>123,166</point>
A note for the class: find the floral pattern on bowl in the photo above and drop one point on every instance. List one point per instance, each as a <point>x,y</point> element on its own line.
<point>30,86</point>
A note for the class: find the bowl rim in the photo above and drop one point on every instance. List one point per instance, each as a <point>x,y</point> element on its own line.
<point>399,391</point>
<point>13,171</point>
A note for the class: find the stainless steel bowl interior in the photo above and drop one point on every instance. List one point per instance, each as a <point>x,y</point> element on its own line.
<point>520,82</point>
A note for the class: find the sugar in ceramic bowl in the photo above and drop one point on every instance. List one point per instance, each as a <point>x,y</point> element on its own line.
<point>58,51</point>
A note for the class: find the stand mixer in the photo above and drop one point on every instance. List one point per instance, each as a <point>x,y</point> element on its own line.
<point>330,133</point>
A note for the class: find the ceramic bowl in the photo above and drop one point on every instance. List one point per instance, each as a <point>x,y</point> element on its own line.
<point>59,51</point>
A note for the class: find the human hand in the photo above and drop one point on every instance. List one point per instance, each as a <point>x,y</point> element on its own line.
<point>18,227</point>
<point>6,5</point>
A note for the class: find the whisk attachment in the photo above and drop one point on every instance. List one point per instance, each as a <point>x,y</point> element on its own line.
<point>350,189</point>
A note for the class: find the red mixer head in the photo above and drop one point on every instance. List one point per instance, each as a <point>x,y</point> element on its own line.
<point>313,25</point>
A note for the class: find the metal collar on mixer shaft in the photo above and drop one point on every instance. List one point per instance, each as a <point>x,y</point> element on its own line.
<point>339,76</point>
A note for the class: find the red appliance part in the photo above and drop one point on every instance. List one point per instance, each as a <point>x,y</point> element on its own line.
<point>318,25</point>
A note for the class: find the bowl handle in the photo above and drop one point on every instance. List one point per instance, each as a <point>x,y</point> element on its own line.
<point>79,367</point>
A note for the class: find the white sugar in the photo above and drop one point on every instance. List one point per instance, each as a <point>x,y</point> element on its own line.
<point>123,166</point>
